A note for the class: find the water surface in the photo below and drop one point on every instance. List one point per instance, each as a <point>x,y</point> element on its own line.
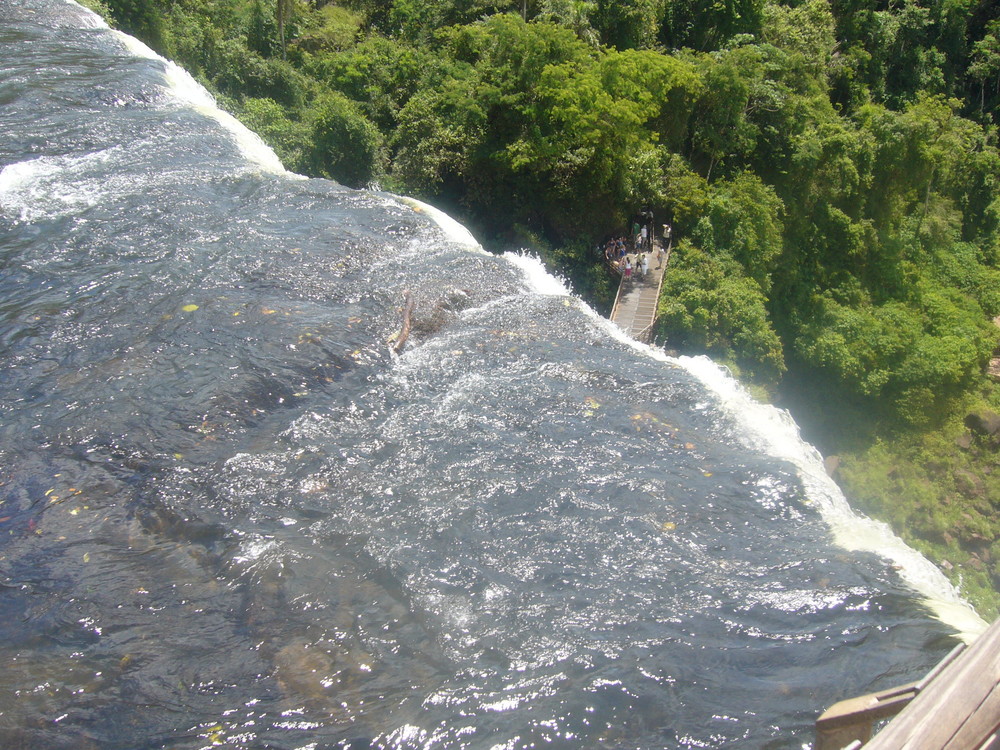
<point>231,515</point>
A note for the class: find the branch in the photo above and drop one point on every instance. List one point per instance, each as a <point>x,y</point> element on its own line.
<point>404,332</point>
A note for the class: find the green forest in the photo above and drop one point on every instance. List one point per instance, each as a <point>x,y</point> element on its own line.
<point>830,169</point>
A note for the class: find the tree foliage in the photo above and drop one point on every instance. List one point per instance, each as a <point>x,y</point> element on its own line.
<point>709,305</point>
<point>345,145</point>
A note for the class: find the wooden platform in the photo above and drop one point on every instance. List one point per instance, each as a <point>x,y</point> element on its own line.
<point>956,707</point>
<point>635,305</point>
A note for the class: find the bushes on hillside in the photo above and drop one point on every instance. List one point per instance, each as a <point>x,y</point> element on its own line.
<point>345,145</point>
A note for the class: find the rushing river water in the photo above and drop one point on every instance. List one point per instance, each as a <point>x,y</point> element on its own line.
<point>230,516</point>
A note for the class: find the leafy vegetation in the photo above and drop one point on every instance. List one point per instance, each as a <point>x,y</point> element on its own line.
<point>830,165</point>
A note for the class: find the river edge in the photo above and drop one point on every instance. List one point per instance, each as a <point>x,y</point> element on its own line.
<point>935,487</point>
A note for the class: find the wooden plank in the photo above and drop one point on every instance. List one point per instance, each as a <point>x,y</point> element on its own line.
<point>852,720</point>
<point>984,722</point>
<point>958,710</point>
<point>870,707</point>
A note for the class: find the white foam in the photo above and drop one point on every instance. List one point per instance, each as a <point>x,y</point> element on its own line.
<point>537,278</point>
<point>773,431</point>
<point>191,93</point>
<point>15,185</point>
<point>50,186</point>
<point>453,230</point>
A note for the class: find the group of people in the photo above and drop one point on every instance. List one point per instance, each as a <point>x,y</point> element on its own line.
<point>635,264</point>
<point>615,249</point>
<point>629,264</point>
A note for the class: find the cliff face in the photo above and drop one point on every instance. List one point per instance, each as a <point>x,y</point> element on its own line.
<point>940,491</point>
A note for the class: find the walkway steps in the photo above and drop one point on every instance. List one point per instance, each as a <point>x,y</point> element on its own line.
<point>635,305</point>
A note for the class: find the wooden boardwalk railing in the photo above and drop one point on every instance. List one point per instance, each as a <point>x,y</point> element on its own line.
<point>955,707</point>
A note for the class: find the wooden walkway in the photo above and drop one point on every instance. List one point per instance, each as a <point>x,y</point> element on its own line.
<point>635,305</point>
<point>956,707</point>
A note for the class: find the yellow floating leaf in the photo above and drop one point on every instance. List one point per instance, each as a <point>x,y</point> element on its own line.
<point>86,557</point>
<point>236,313</point>
<point>178,456</point>
<point>268,311</point>
<point>74,512</point>
<point>668,526</point>
<point>689,446</point>
<point>50,492</point>
<point>189,308</point>
<point>707,473</point>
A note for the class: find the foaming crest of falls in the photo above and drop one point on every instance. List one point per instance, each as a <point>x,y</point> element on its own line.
<point>762,427</point>
<point>190,93</point>
<point>536,277</point>
<point>232,514</point>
